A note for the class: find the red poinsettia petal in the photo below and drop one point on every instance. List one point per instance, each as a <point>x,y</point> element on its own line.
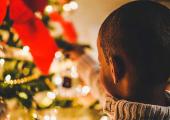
<point>42,46</point>
<point>55,16</point>
<point>3,9</point>
<point>19,12</point>
<point>69,32</point>
<point>36,5</point>
<point>33,33</point>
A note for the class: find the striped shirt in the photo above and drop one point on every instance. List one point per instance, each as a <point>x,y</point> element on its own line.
<point>126,110</point>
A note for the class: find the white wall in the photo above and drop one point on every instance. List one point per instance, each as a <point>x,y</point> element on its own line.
<point>89,16</point>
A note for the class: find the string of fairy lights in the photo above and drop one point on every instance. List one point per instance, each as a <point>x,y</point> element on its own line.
<point>20,81</point>
<point>18,53</point>
<point>67,7</point>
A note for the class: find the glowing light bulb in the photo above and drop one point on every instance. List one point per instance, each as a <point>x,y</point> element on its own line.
<point>70,6</point>
<point>26,49</point>
<point>66,7</point>
<point>58,55</point>
<point>46,117</point>
<point>51,95</point>
<point>85,90</point>
<point>2,61</point>
<point>104,118</point>
<point>73,5</point>
<point>49,9</point>
<point>38,15</point>
<point>23,95</point>
<point>34,115</point>
<point>74,73</point>
<point>8,77</point>
<point>8,116</point>
<point>58,80</point>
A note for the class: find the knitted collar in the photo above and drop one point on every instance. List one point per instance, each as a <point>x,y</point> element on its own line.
<point>126,110</point>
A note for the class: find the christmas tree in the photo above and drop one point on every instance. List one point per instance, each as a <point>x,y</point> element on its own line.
<point>32,35</point>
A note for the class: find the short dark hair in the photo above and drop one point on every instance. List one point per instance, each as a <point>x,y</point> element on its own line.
<point>142,30</point>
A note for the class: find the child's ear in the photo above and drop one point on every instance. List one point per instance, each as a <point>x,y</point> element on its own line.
<point>117,68</point>
<point>112,70</point>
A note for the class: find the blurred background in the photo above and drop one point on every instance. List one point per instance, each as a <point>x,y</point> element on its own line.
<point>37,80</point>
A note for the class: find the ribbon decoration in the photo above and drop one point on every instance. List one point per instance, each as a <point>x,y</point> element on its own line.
<point>68,29</point>
<point>33,33</point>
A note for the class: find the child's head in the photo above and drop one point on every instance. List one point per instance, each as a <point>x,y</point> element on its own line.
<point>134,44</point>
